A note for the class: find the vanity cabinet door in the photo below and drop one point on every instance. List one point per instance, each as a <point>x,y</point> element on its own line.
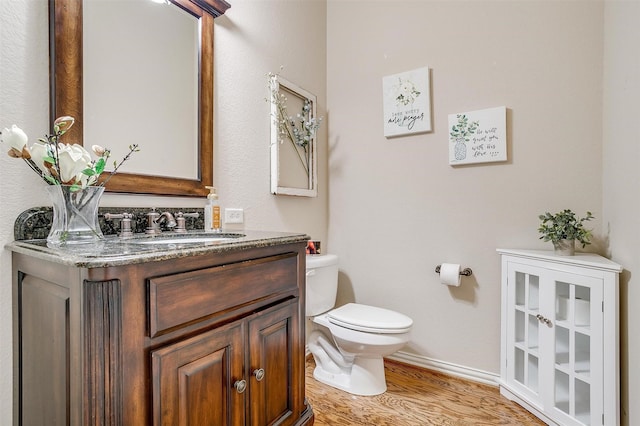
<point>274,374</point>
<point>200,381</point>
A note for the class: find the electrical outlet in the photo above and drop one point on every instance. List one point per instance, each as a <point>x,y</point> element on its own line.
<point>233,216</point>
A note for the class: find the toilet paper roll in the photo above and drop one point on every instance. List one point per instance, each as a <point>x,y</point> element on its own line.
<point>450,274</point>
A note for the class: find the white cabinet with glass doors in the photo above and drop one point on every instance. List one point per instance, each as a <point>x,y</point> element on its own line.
<point>559,336</point>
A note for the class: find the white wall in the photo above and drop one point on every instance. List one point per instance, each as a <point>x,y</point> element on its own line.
<point>252,39</point>
<point>24,99</point>
<point>621,142</point>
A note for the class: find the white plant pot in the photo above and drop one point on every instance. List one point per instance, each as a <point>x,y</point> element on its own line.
<point>565,247</point>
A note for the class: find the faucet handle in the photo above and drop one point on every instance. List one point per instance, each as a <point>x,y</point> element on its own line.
<point>181,214</point>
<point>153,227</point>
<point>125,222</point>
<point>181,221</point>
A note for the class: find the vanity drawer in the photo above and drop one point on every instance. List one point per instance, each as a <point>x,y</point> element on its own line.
<point>180,299</point>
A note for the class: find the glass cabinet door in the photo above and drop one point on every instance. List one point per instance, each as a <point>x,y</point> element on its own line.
<point>523,328</point>
<point>577,349</point>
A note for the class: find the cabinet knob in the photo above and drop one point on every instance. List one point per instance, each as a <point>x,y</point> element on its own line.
<point>240,385</point>
<point>543,319</point>
<point>259,373</point>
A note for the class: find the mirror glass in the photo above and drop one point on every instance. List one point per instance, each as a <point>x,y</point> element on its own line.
<point>158,94</point>
<point>141,84</point>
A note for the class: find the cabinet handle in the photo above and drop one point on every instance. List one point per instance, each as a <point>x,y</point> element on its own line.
<point>543,319</point>
<point>240,385</point>
<point>259,373</point>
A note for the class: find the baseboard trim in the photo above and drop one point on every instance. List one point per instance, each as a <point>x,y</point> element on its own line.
<point>461,371</point>
<point>456,370</point>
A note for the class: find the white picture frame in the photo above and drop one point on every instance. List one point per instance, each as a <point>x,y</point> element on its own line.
<point>288,175</point>
<point>407,103</point>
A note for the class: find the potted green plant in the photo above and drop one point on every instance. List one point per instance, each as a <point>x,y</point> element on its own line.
<point>563,229</point>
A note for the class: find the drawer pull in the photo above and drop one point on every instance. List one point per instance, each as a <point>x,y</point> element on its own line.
<point>259,373</point>
<point>240,385</point>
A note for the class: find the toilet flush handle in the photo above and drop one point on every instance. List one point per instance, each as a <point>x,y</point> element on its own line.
<point>311,272</point>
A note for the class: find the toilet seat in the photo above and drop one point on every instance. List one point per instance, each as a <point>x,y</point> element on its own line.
<point>369,319</point>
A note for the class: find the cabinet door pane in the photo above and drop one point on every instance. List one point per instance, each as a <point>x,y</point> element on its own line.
<point>524,328</point>
<point>577,349</point>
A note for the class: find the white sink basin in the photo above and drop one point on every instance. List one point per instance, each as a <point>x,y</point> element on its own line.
<point>190,239</point>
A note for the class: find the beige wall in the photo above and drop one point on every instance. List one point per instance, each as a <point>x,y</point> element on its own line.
<point>397,209</point>
<point>252,39</point>
<point>621,204</point>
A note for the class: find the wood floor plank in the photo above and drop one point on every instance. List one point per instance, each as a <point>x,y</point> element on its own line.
<point>415,397</point>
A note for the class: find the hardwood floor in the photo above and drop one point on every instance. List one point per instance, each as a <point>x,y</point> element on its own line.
<point>415,397</point>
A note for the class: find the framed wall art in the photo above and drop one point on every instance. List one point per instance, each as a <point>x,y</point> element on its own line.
<point>407,102</point>
<point>294,124</point>
<point>478,136</point>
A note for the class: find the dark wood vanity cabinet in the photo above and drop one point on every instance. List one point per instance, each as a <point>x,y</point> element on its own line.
<point>219,365</point>
<point>210,339</point>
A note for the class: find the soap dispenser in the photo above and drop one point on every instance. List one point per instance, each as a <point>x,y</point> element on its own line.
<point>212,221</point>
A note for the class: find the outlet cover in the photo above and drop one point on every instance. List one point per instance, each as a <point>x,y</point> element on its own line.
<point>233,216</point>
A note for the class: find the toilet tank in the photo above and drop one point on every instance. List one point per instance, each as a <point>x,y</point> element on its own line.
<point>322,283</point>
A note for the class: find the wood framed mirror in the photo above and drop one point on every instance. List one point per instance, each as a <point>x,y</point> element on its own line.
<point>67,98</point>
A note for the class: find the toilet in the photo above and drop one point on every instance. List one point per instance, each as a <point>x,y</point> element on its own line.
<point>351,341</point>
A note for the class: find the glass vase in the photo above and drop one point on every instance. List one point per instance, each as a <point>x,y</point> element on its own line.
<point>75,215</point>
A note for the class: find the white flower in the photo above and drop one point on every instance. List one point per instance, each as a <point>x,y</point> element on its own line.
<point>59,163</point>
<point>406,87</point>
<point>38,153</point>
<point>62,124</point>
<point>17,140</point>
<point>73,160</point>
<point>98,150</point>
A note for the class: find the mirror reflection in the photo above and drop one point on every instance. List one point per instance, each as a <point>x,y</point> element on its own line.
<point>165,74</point>
<point>141,84</point>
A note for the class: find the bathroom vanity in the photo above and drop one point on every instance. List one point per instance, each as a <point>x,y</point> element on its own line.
<point>124,333</point>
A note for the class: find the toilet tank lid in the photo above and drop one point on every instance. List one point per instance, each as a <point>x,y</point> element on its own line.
<point>370,319</point>
<point>321,260</point>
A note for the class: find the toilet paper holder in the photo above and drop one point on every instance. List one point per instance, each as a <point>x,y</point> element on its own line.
<point>466,271</point>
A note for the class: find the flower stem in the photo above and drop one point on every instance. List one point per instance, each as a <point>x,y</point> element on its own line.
<point>132,148</point>
<point>283,115</point>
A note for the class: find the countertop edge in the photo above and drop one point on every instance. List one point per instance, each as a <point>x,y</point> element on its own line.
<point>71,257</point>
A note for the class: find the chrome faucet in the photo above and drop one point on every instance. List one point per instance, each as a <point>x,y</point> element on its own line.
<point>154,219</point>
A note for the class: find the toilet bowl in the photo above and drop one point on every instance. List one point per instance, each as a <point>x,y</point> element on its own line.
<point>349,342</point>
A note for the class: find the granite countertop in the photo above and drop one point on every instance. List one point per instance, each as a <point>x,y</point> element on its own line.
<point>115,251</point>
